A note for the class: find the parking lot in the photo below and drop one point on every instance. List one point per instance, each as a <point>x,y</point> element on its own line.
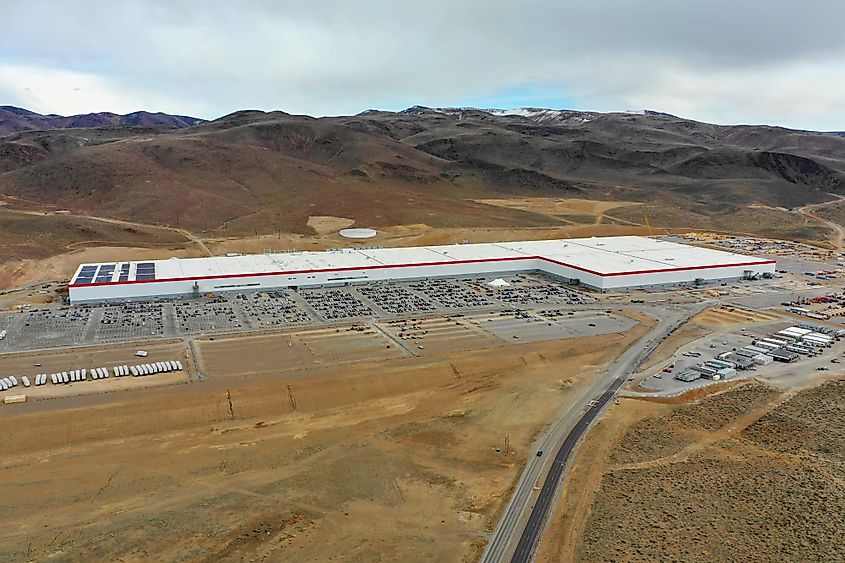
<point>394,299</point>
<point>535,327</point>
<point>266,309</point>
<point>451,294</point>
<point>131,321</point>
<point>214,314</point>
<point>336,304</point>
<point>436,335</point>
<point>49,328</point>
<point>527,289</point>
<point>54,326</point>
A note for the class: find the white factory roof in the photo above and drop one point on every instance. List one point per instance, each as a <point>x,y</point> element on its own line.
<point>604,256</point>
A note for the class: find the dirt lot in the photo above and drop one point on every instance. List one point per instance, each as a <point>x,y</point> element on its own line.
<point>749,474</point>
<point>395,460</point>
<point>87,357</point>
<point>323,224</point>
<point>280,352</point>
<point>568,209</point>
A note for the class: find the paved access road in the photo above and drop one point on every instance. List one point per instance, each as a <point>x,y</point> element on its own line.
<point>563,437</point>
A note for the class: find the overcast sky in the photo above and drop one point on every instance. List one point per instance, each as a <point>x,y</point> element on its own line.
<point>725,61</point>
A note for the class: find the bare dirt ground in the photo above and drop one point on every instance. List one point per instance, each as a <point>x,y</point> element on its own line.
<point>751,220</point>
<point>414,235</point>
<point>280,352</point>
<point>65,359</point>
<point>750,473</point>
<point>62,266</point>
<point>836,229</point>
<point>572,210</point>
<point>395,460</point>
<point>324,224</point>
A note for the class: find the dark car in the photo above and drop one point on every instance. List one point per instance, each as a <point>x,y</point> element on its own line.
<point>540,453</point>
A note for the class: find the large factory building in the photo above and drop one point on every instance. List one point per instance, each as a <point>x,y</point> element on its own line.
<point>601,263</point>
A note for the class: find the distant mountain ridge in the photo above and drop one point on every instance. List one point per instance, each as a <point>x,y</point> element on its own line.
<point>255,172</point>
<point>14,120</point>
<point>562,116</point>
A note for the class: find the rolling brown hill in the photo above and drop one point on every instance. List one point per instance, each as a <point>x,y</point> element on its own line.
<point>256,172</point>
<point>14,119</point>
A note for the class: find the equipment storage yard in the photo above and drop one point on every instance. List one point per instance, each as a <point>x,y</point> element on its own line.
<point>687,368</point>
<point>601,263</point>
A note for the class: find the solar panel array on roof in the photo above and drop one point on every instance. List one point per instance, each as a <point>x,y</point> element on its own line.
<point>105,272</point>
<point>86,274</point>
<point>145,271</point>
<point>124,272</point>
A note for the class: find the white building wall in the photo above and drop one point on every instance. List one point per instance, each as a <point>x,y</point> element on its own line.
<point>82,294</point>
<point>90,293</point>
<point>682,276</point>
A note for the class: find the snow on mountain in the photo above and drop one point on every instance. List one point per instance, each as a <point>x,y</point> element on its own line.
<point>542,115</point>
<point>539,115</point>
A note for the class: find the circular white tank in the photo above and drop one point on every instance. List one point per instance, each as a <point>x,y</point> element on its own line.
<point>357,233</point>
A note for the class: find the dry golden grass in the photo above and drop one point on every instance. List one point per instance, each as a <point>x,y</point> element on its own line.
<point>392,459</point>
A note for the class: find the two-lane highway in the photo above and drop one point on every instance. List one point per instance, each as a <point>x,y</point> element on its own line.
<point>563,437</point>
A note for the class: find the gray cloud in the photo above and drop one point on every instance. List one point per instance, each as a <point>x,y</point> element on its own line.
<point>771,61</point>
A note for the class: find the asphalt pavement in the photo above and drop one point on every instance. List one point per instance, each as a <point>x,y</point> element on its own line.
<point>563,437</point>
